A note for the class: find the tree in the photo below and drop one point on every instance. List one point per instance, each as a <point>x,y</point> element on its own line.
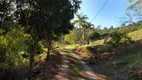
<point>81,20</point>
<point>13,47</point>
<point>111,28</point>
<point>6,16</point>
<point>81,23</point>
<point>71,38</point>
<point>135,8</point>
<point>98,28</point>
<point>105,29</point>
<point>94,35</point>
<point>45,19</point>
<point>88,27</point>
<point>105,34</point>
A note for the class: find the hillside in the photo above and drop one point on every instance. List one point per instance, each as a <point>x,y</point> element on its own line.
<point>120,62</point>
<point>136,35</point>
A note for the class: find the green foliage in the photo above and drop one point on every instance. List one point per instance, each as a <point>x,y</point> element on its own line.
<point>94,35</point>
<point>13,47</point>
<point>136,35</point>
<point>115,40</point>
<point>39,48</point>
<point>83,24</point>
<point>133,60</point>
<point>73,36</point>
<point>103,35</point>
<point>81,20</point>
<point>118,38</point>
<point>47,19</point>
<point>72,46</point>
<point>130,1</point>
<point>123,29</point>
<point>3,44</point>
<point>135,8</point>
<point>6,16</point>
<point>136,5</point>
<point>76,69</point>
<point>131,27</point>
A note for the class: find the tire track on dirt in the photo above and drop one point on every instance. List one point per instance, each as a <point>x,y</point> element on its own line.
<point>63,74</point>
<point>88,71</point>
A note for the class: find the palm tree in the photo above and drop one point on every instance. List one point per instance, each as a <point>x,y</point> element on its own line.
<point>88,26</point>
<point>81,22</point>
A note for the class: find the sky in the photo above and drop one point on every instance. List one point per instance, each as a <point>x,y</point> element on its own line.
<point>109,15</point>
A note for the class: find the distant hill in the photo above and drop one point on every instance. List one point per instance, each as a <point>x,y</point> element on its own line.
<point>124,28</point>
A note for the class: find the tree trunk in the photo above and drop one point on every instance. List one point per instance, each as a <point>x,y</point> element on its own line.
<point>48,52</point>
<point>48,42</point>
<point>83,36</point>
<point>31,60</point>
<point>125,45</point>
<point>88,42</point>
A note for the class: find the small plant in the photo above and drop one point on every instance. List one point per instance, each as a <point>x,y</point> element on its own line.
<point>39,49</point>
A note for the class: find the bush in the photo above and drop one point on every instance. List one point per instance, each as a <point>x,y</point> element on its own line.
<point>118,38</point>
<point>94,35</point>
<point>39,49</point>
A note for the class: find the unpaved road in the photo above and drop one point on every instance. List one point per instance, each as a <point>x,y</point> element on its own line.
<point>88,72</point>
<point>63,74</point>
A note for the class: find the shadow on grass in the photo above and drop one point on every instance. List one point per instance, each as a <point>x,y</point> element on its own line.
<point>75,70</point>
<point>50,69</point>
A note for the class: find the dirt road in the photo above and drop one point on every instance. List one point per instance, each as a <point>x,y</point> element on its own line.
<point>67,68</point>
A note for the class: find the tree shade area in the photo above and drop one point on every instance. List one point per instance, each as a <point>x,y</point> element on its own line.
<point>52,40</point>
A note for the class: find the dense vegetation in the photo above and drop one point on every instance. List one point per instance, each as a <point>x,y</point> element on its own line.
<point>30,30</point>
<point>26,26</point>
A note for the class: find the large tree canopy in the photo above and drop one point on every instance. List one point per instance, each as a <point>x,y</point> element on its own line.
<point>81,20</point>
<point>6,15</point>
<point>47,17</point>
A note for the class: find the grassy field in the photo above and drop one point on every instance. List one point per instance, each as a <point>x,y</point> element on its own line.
<point>136,35</point>
<point>132,60</point>
<point>121,63</point>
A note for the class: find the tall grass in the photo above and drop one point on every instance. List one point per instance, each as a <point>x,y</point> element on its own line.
<point>136,35</point>
<point>133,60</point>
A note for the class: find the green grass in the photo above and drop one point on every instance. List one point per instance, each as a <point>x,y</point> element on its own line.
<point>76,72</point>
<point>133,60</point>
<point>75,69</point>
<point>41,56</point>
<point>136,35</point>
<point>98,42</point>
<point>72,46</point>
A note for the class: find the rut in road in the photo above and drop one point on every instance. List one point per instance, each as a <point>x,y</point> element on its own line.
<point>88,72</point>
<point>63,74</point>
